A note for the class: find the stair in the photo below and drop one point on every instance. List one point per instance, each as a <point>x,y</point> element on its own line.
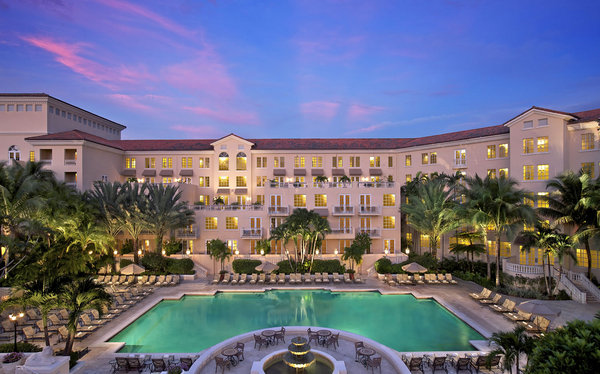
<point>590,298</point>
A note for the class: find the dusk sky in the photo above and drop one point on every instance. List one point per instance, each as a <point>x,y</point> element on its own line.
<point>369,68</point>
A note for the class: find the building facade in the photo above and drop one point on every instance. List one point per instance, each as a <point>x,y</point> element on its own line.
<point>354,183</point>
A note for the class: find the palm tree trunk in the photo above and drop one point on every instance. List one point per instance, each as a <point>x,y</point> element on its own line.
<point>549,276</point>
<point>45,323</point>
<point>136,258</point>
<point>69,343</point>
<point>588,252</point>
<point>498,260</point>
<point>545,276</point>
<point>559,278</point>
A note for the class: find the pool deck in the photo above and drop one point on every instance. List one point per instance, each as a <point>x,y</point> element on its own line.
<point>454,297</point>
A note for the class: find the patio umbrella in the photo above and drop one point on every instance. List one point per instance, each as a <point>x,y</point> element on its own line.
<point>132,269</point>
<point>536,307</point>
<point>267,267</point>
<point>413,267</point>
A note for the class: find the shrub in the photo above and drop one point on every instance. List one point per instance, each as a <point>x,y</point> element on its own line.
<point>383,265</point>
<point>284,267</point>
<point>124,262</point>
<point>397,269</point>
<point>327,266</point>
<point>21,347</point>
<point>245,266</point>
<point>172,246</point>
<point>180,266</point>
<point>154,262</point>
<point>127,247</point>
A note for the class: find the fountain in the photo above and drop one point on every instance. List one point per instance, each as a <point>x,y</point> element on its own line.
<point>299,359</point>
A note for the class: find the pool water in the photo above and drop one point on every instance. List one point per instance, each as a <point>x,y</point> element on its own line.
<point>195,323</point>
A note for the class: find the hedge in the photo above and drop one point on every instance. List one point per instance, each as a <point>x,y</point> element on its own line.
<point>180,266</point>
<point>244,266</point>
<point>21,347</point>
<point>155,263</point>
<point>328,266</point>
<point>124,262</point>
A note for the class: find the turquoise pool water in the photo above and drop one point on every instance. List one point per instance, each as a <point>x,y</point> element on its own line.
<point>195,323</point>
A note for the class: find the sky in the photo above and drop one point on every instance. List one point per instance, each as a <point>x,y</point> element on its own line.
<point>323,68</point>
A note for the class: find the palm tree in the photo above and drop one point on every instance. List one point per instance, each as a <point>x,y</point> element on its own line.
<point>360,245</point>
<point>541,237</point>
<point>431,211</point>
<point>107,199</point>
<point>511,345</point>
<point>320,227</point>
<point>218,250</point>
<point>568,207</point>
<point>133,213</point>
<point>79,296</point>
<point>562,247</point>
<point>471,248</point>
<point>498,204</point>
<point>166,212</point>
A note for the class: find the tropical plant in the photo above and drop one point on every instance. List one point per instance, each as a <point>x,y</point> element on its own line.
<point>218,250</point>
<point>263,246</point>
<point>321,179</point>
<point>511,345</point>
<point>540,237</point>
<point>133,215</point>
<point>345,179</point>
<point>561,247</point>
<point>497,204</point>
<point>107,198</point>
<point>356,251</point>
<point>218,200</point>
<point>470,247</point>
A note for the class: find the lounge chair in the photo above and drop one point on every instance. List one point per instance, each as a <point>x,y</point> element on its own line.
<point>325,277</point>
<point>418,279</point>
<point>143,280</point>
<point>63,333</point>
<point>389,280</point>
<point>484,294</point>
<point>406,279</point>
<point>292,278</point>
<point>442,279</point>
<point>298,277</point>
<point>318,278</point>
<point>103,317</point>
<point>273,278</point>
<point>40,326</point>
<point>281,278</point>
<point>485,362</point>
<point>135,364</point>
<point>243,278</point>
<point>89,322</point>
<point>32,335</point>
<point>169,280</point>
<point>161,280</point>
<point>449,279</point>
<point>347,278</point>
<point>262,277</point>
<point>494,300</point>
<point>506,307</point>
<point>336,278</point>
<point>462,364</point>
<point>519,316</point>
<point>539,325</point>
<point>99,279</point>
<point>226,278</point>
<point>151,280</point>
<point>307,278</point>
<point>254,278</point>
<point>357,278</point>
<point>188,361</point>
<point>431,279</point>
<point>176,279</point>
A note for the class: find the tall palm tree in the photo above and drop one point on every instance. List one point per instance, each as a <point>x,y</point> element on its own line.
<point>431,210</point>
<point>511,345</point>
<point>541,237</point>
<point>471,248</point>
<point>561,247</point>
<point>77,297</point>
<point>134,213</point>
<point>319,227</point>
<point>107,198</point>
<point>218,250</point>
<point>166,211</point>
<point>568,207</point>
<point>498,204</point>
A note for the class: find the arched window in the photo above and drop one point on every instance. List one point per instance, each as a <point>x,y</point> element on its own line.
<point>223,161</point>
<point>241,161</point>
<point>13,153</point>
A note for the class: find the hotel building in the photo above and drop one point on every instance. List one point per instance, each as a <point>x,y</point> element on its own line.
<point>261,181</point>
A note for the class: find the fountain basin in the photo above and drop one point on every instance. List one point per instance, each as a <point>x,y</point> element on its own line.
<point>274,364</point>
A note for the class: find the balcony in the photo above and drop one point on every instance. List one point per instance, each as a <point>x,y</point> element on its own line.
<point>369,210</point>
<point>230,207</point>
<point>377,184</point>
<point>70,162</point>
<point>278,185</point>
<point>373,233</point>
<point>187,233</point>
<point>252,233</point>
<point>460,163</point>
<point>279,210</point>
<point>341,233</point>
<point>343,210</point>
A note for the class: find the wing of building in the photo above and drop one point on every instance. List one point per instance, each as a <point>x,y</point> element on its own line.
<point>262,180</point>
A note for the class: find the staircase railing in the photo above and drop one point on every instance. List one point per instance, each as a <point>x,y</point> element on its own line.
<point>571,289</point>
<point>584,282</point>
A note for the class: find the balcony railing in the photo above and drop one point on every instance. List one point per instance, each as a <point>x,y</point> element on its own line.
<point>376,184</point>
<point>70,161</point>
<point>369,210</point>
<point>229,207</point>
<point>187,233</point>
<point>343,210</point>
<point>341,233</point>
<point>460,162</point>
<point>252,232</point>
<point>373,233</point>
<point>279,210</point>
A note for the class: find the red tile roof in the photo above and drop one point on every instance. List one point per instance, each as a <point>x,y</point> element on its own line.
<point>78,135</point>
<point>587,115</point>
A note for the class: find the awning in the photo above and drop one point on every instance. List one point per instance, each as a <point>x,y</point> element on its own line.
<point>299,171</point>
<point>128,172</point>
<point>323,212</point>
<point>149,173</point>
<point>223,191</point>
<point>337,172</point>
<point>241,191</point>
<point>317,172</point>
<point>279,172</point>
<point>166,173</point>
<point>375,172</point>
<point>355,171</point>
<point>186,172</point>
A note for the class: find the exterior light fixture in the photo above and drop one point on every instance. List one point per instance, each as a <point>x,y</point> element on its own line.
<point>317,252</point>
<point>139,251</point>
<point>115,252</point>
<point>164,252</point>
<point>336,251</point>
<point>407,250</point>
<point>89,252</point>
<point>262,252</point>
<point>188,252</point>
<point>386,251</point>
<point>237,252</point>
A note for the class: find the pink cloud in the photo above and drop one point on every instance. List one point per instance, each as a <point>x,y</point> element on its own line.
<point>367,129</point>
<point>130,102</point>
<point>359,111</point>
<point>228,116</point>
<point>195,131</point>
<point>320,109</point>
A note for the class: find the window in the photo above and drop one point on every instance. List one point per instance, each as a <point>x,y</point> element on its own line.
<point>240,181</point>
<point>528,199</point>
<point>344,244</point>
<point>408,177</point>
<point>185,180</point>
<point>167,162</point>
<point>542,144</point>
<point>527,145</point>
<point>240,161</point>
<point>374,162</point>
<point>261,162</point>
<point>167,180</point>
<point>542,200</point>
<point>278,162</point>
<point>389,222</point>
<point>317,162</point>
<point>491,173</point>
<point>528,124</point>
<point>528,172</point>
<point>460,157</point>
<point>320,200</point>
<point>503,148</point>
<point>542,122</point>
<point>204,181</point>
<point>503,173</point>
<point>354,161</point>
<point>587,141</point>
<point>223,161</point>
<point>542,172</point>
<point>231,223</point>
<point>11,108</point>
<point>186,162</point>
<point>390,161</point>
<point>337,162</point>
<point>261,181</point>
<point>130,163</point>
<point>299,200</point>
<point>491,151</point>
<point>210,223</point>
<point>407,160</point>
<point>31,156</point>
<point>150,163</point>
<point>424,158</point>
<point>13,153</point>
<point>299,180</point>
<point>204,162</point>
<point>582,259</point>
<point>389,199</point>
<point>260,199</point>
<point>433,158</point>
<point>29,108</point>
<point>388,245</point>
<point>223,181</point>
<point>424,240</point>
<point>504,248</point>
<point>299,162</point>
<point>232,245</point>
<point>588,168</point>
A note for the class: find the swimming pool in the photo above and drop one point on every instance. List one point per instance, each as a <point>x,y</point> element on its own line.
<point>194,323</point>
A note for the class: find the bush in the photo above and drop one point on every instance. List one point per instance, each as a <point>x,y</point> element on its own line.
<point>244,266</point>
<point>327,266</point>
<point>21,347</point>
<point>124,262</point>
<point>383,265</point>
<point>154,262</point>
<point>477,278</point>
<point>127,247</point>
<point>284,267</point>
<point>180,266</point>
<point>172,246</point>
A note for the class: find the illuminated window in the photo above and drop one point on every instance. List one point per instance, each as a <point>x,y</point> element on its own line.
<point>261,162</point>
<point>493,246</point>
<point>232,245</point>
<point>167,180</point>
<point>276,247</point>
<point>528,145</point>
<point>240,181</point>
<point>32,156</point>
<point>491,173</point>
<point>389,199</point>
<point>374,162</point>
<point>424,241</point>
<point>210,223</point>
<point>433,158</point>
<point>231,223</point>
<point>354,161</point>
<point>542,144</point>
<point>167,162</point>
<point>503,148</point>
<point>130,163</point>
<point>299,162</point>
<point>491,151</point>
<point>317,162</point>
<point>279,162</point>
<point>336,162</point>
<point>528,199</point>
<point>240,161</point>
<point>408,177</point>
<point>407,160</point>
<point>260,199</point>
<point>223,181</point>
<point>587,141</point>
<point>528,172</point>
<point>320,200</point>
<point>588,168</point>
<point>503,173</point>
<point>424,158</point>
<point>204,162</point>
<point>460,157</point>
<point>389,222</point>
<point>186,162</point>
<point>543,172</point>
<point>261,181</point>
<point>300,180</point>
<point>388,244</point>
<point>204,181</point>
<point>223,161</point>
<point>390,161</point>
<point>528,124</point>
<point>150,163</point>
<point>542,200</point>
<point>299,200</point>
<point>582,259</point>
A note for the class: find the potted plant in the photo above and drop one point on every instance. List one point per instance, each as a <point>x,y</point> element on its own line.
<point>273,182</point>
<point>344,179</point>
<point>319,180</point>
<point>219,201</point>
